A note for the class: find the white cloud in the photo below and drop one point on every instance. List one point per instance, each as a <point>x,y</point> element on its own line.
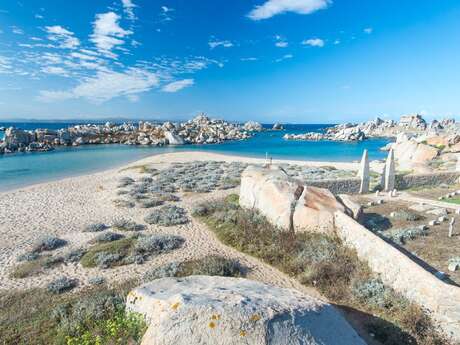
<point>178,85</point>
<point>285,57</point>
<point>273,7</point>
<point>64,37</point>
<point>5,65</point>
<point>337,42</point>
<point>39,16</point>
<point>128,7</point>
<point>215,43</point>
<point>16,30</point>
<point>166,9</point>
<point>55,70</point>
<point>368,30</point>
<point>107,33</point>
<point>281,44</point>
<point>314,42</point>
<point>82,56</point>
<point>249,59</point>
<point>106,85</point>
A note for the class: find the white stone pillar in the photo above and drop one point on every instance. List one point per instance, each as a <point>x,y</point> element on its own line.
<point>389,172</point>
<point>363,173</point>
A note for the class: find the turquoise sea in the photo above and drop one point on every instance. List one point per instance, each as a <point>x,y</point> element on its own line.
<point>22,169</point>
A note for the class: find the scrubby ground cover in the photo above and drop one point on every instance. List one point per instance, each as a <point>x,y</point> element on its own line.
<point>159,186</point>
<point>210,266</point>
<point>134,249</point>
<point>323,262</point>
<point>94,315</point>
<point>397,222</point>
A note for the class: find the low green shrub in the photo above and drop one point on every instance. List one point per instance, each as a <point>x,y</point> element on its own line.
<point>61,285</point>
<point>210,265</point>
<point>93,316</point>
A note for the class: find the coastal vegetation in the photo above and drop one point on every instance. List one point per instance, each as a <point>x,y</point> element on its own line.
<point>322,261</point>
<point>94,315</point>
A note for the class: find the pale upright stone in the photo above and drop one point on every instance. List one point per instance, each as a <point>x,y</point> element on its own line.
<point>389,172</point>
<point>364,174</point>
<point>451,226</point>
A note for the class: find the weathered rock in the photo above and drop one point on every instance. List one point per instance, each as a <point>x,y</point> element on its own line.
<point>287,203</point>
<point>252,126</point>
<point>173,139</point>
<point>363,174</point>
<point>271,192</point>
<point>233,311</point>
<point>277,126</point>
<point>315,209</point>
<point>352,208</point>
<point>388,176</point>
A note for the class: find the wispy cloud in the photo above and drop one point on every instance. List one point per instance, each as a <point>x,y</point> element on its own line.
<point>273,7</point>
<point>16,30</point>
<point>105,86</point>
<point>65,38</point>
<point>285,57</point>
<point>314,42</point>
<point>55,70</point>
<point>249,59</point>
<point>128,7</point>
<point>216,43</point>
<point>38,16</point>
<point>368,30</point>
<point>281,44</point>
<point>5,65</point>
<point>107,33</point>
<point>178,85</point>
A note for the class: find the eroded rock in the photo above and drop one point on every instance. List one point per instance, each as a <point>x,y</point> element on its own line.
<point>234,311</point>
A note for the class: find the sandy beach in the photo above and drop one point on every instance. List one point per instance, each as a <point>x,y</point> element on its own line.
<point>64,208</point>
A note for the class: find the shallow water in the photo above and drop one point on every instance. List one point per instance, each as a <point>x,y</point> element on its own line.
<point>22,169</point>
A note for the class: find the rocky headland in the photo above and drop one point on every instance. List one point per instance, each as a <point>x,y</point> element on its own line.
<point>378,128</point>
<point>200,130</point>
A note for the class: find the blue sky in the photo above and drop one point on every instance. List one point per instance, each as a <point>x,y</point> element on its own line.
<point>303,61</point>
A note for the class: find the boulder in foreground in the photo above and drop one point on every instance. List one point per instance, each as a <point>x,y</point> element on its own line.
<point>233,311</point>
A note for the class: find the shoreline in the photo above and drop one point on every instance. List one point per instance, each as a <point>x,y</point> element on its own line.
<point>65,207</point>
<point>184,156</point>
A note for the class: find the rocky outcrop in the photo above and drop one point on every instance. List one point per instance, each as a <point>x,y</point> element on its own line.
<point>277,127</point>
<point>288,203</point>
<point>234,311</point>
<point>411,154</point>
<point>412,121</point>
<point>370,129</point>
<point>200,130</point>
<point>252,126</point>
<point>271,192</point>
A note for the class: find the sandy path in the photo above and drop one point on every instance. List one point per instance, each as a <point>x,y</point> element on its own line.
<point>63,208</point>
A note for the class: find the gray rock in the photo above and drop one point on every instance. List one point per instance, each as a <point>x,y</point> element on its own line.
<point>234,311</point>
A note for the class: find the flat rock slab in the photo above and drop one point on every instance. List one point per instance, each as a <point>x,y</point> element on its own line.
<point>235,311</point>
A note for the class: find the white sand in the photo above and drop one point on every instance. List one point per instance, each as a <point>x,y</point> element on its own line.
<point>63,208</point>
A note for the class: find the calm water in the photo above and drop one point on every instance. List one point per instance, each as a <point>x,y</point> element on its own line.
<point>21,169</point>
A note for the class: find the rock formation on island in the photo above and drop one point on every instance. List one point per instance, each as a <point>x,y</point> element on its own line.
<point>200,130</point>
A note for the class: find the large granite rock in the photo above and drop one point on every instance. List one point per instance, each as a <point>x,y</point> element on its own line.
<point>287,202</point>
<point>173,139</point>
<point>234,311</point>
<point>271,192</point>
<point>252,126</point>
<point>315,210</point>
